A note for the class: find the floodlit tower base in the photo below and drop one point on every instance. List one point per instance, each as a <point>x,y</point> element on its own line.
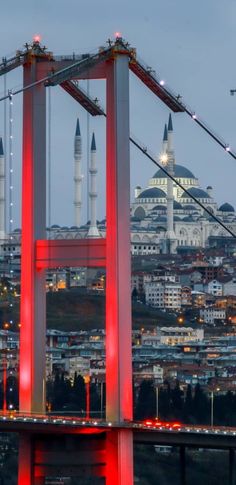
<point>83,455</point>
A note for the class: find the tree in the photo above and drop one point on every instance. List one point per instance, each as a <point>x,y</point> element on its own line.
<point>61,391</point>
<point>188,406</point>
<point>177,402</point>
<point>165,401</point>
<point>79,393</point>
<point>146,402</point>
<point>134,294</point>
<point>201,406</point>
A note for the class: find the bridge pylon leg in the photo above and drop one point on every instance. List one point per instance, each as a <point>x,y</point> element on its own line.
<point>33,300</point>
<point>119,458</point>
<point>182,452</point>
<point>119,402</point>
<point>232,466</point>
<point>25,460</point>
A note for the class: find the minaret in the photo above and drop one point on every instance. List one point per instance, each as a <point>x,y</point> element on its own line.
<point>77,174</point>
<point>163,154</point>
<point>2,193</point>
<point>170,235</point>
<point>93,230</point>
<point>165,140</point>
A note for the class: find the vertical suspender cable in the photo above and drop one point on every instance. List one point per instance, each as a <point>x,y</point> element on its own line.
<point>88,142</point>
<point>5,146</point>
<point>49,169</point>
<point>10,165</point>
<point>10,206</point>
<point>49,163</point>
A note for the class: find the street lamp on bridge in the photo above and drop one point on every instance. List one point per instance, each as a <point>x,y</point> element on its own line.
<point>212,404</point>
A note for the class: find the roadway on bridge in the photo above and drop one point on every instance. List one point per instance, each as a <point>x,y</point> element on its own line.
<point>148,431</point>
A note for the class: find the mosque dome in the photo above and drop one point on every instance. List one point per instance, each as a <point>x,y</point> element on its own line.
<point>198,193</point>
<point>153,193</point>
<point>226,207</point>
<point>179,172</point>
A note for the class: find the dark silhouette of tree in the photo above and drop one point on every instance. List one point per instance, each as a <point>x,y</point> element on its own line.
<point>95,400</point>
<point>61,391</point>
<point>134,294</point>
<point>79,393</point>
<point>188,406</point>
<point>177,402</point>
<point>146,402</point>
<point>165,401</point>
<point>201,406</point>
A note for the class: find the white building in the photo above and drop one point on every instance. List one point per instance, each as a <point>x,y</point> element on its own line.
<point>179,335</point>
<point>211,315</point>
<point>161,294</point>
<point>229,288</point>
<point>214,287</point>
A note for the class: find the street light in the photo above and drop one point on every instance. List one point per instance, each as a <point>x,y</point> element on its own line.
<point>212,406</point>
<point>87,390</point>
<point>157,402</point>
<point>101,399</point>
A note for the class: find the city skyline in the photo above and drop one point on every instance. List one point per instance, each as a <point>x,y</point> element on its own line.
<point>188,54</point>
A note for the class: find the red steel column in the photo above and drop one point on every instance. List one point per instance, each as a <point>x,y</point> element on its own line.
<point>25,460</point>
<point>119,458</point>
<point>4,385</point>
<point>33,308</point>
<point>119,404</point>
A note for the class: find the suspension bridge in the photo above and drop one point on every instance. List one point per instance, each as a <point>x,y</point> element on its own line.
<point>102,449</point>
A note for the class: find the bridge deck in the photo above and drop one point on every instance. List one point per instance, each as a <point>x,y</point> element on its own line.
<point>167,434</point>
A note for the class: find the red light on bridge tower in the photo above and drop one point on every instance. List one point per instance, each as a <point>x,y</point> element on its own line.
<point>37,38</point>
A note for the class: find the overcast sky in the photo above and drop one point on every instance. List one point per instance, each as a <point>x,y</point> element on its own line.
<point>190,44</point>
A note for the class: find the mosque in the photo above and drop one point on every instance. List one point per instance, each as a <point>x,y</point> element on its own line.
<point>164,219</point>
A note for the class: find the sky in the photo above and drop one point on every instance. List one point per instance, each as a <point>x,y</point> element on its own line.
<point>191,45</point>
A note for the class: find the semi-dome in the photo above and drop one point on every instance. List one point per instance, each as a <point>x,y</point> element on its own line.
<point>160,219</point>
<point>159,207</point>
<point>189,207</point>
<point>177,205</point>
<point>179,172</point>
<point>226,207</point>
<point>198,193</point>
<point>188,219</point>
<point>153,193</point>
